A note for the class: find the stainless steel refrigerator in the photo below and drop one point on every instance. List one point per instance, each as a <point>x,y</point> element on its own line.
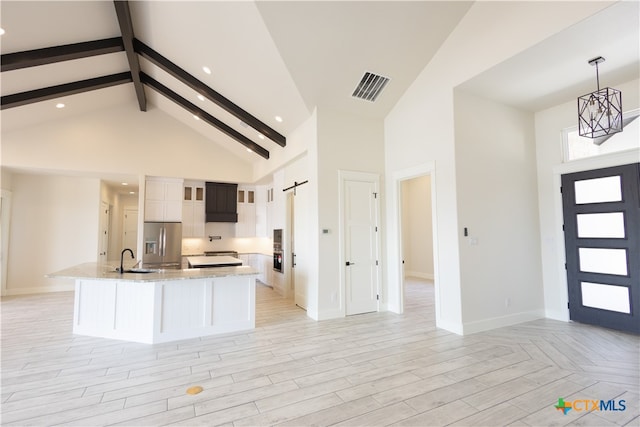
<point>162,245</point>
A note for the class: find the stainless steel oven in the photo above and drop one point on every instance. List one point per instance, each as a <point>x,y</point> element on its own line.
<point>278,256</point>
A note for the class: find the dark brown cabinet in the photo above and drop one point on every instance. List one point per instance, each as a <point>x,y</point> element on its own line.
<point>221,202</point>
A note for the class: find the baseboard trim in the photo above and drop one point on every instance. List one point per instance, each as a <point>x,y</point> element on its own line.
<point>40,289</point>
<point>501,322</point>
<point>314,314</point>
<point>557,315</point>
<point>456,328</point>
<point>330,314</point>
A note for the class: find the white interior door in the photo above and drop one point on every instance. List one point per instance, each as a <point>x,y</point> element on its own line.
<point>360,228</point>
<point>300,250</point>
<point>130,229</point>
<point>104,232</point>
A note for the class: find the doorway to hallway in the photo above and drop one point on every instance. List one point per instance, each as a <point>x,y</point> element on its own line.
<point>419,299</point>
<point>417,247</point>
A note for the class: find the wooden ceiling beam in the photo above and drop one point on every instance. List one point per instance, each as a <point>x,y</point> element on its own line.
<point>50,55</point>
<point>126,28</point>
<point>52,92</point>
<point>197,111</point>
<point>201,88</point>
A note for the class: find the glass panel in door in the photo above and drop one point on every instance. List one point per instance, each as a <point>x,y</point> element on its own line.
<point>601,210</point>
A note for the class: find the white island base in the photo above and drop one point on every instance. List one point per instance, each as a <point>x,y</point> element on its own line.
<point>167,310</point>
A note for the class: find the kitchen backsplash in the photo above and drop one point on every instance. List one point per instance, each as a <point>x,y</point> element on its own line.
<point>227,241</point>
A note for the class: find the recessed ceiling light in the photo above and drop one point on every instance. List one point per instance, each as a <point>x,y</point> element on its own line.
<point>196,117</point>
<point>249,150</point>
<point>1,31</point>
<point>132,192</point>
<point>59,105</point>
<point>261,136</point>
<point>278,119</point>
<point>206,69</point>
<point>201,97</point>
<point>125,183</point>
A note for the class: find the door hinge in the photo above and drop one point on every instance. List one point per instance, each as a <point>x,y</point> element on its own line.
<point>376,228</point>
<point>560,190</point>
<point>375,195</point>
<point>562,227</point>
<point>567,305</point>
<point>376,262</point>
<point>565,265</point>
<point>378,297</point>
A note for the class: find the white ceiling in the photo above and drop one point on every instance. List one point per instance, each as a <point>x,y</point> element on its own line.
<point>557,70</point>
<point>287,57</point>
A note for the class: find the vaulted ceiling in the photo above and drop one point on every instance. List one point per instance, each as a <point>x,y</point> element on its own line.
<point>285,58</point>
<point>267,58</point>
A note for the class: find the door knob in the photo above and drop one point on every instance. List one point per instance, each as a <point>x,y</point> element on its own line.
<point>350,263</point>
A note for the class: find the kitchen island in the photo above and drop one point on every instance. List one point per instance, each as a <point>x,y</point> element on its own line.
<point>161,305</point>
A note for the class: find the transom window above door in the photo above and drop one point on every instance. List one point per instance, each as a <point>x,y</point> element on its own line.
<point>576,147</point>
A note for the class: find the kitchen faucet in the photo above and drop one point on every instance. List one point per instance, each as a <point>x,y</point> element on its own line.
<point>122,256</point>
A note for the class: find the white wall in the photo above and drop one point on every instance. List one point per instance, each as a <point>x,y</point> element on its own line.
<point>420,128</point>
<point>417,227</point>
<point>348,143</point>
<point>299,142</point>
<point>54,225</point>
<point>122,140</point>
<point>548,126</point>
<point>500,266</point>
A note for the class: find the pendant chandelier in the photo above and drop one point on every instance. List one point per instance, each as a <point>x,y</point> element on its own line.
<point>600,112</point>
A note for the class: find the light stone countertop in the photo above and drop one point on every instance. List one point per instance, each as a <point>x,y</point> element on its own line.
<point>107,271</point>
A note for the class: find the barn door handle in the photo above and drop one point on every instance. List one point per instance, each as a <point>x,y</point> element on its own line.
<point>350,263</point>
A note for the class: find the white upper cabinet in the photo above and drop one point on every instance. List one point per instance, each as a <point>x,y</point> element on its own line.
<point>193,209</point>
<point>246,225</point>
<point>163,199</point>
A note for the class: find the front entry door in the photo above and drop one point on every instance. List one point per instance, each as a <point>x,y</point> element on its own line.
<point>361,243</point>
<point>601,211</point>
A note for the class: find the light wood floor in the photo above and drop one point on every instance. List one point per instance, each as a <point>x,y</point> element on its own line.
<point>368,370</point>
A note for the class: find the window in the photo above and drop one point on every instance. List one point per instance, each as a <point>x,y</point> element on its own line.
<point>577,147</point>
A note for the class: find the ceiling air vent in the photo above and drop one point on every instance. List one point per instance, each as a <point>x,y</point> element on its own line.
<point>370,86</point>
